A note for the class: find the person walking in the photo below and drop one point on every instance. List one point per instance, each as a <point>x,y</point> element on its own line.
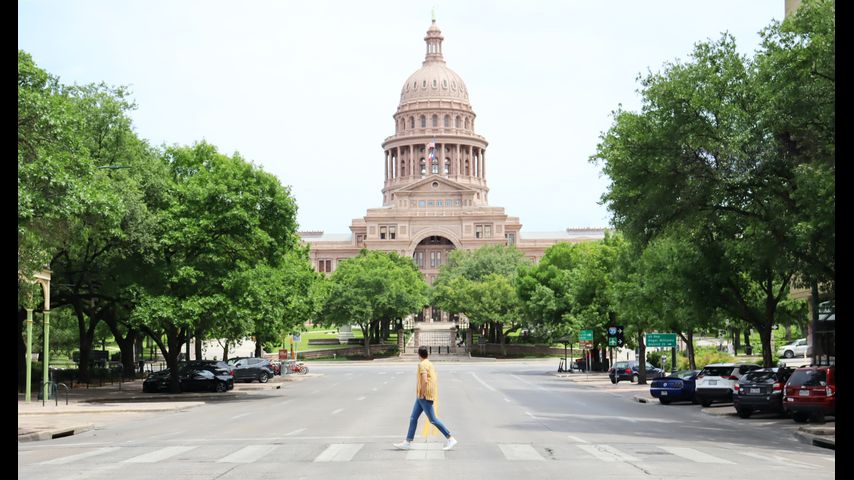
<point>426,387</point>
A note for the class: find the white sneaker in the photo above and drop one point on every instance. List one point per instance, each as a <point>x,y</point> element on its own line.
<point>451,442</point>
<point>403,445</point>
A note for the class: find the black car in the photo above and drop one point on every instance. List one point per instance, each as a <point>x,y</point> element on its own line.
<point>762,390</point>
<point>190,379</point>
<point>216,366</point>
<point>628,370</point>
<point>247,369</point>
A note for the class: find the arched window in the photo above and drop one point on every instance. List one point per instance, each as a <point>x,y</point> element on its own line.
<point>467,167</point>
<point>467,124</point>
<point>402,170</point>
<point>423,167</point>
<point>457,125</point>
<point>435,165</point>
<point>423,121</point>
<point>411,122</point>
<point>447,165</point>
<point>435,121</point>
<point>447,121</point>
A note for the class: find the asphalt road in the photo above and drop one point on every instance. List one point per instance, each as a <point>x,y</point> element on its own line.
<point>512,420</point>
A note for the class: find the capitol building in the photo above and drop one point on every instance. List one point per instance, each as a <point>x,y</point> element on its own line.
<point>435,196</point>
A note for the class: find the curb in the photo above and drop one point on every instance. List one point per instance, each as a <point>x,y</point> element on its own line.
<point>816,440</point>
<point>56,433</point>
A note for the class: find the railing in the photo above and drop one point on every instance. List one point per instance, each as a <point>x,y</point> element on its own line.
<point>52,388</point>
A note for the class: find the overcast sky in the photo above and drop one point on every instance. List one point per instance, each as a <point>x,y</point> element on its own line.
<point>307,90</point>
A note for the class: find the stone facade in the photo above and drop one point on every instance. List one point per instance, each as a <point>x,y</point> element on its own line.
<point>435,195</point>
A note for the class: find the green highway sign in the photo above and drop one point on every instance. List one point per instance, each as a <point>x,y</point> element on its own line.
<point>585,335</point>
<point>660,339</point>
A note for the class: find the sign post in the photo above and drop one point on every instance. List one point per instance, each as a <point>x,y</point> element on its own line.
<point>585,337</point>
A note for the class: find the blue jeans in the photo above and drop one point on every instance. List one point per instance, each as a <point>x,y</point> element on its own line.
<point>425,406</point>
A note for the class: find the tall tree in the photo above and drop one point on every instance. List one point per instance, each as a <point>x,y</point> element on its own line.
<point>371,287</point>
<point>700,156</point>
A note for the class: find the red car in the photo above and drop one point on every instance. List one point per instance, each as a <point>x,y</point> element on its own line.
<point>811,392</point>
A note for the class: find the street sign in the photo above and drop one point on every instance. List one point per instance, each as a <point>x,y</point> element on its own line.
<point>660,339</point>
<point>296,338</point>
<point>586,344</point>
<point>615,336</point>
<point>612,341</point>
<point>585,335</point>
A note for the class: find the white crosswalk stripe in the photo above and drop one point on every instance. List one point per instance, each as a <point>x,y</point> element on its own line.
<point>607,453</point>
<point>339,452</point>
<point>694,455</point>
<point>159,455</point>
<point>248,454</point>
<point>519,451</point>
<point>425,451</point>
<point>79,456</point>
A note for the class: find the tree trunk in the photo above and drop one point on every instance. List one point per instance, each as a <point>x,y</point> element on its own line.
<point>198,345</point>
<point>257,346</point>
<point>736,340</point>
<point>501,337</point>
<point>765,338</point>
<point>642,359</point>
<point>689,346</point>
<point>746,339</point>
<point>225,351</point>
<point>22,349</point>
<point>126,343</point>
<point>470,339</point>
<point>87,338</point>
<point>367,341</point>
<point>174,340</point>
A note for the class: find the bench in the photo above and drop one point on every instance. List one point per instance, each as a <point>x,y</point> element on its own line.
<point>323,341</point>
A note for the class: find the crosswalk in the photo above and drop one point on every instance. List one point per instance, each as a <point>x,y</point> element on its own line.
<point>422,451</point>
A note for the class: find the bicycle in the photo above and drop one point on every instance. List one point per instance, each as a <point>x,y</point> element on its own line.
<point>297,367</point>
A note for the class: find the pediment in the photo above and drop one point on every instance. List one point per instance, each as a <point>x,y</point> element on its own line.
<point>426,185</point>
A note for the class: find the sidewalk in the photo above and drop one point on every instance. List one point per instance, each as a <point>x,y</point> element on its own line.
<point>96,407</point>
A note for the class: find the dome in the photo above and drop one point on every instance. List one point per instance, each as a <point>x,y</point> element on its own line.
<point>434,80</point>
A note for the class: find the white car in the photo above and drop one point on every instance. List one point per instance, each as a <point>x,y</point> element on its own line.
<point>716,383</point>
<point>798,348</point>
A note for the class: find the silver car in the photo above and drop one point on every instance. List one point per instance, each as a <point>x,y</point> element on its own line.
<point>798,348</point>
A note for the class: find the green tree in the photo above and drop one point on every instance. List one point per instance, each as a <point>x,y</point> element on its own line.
<point>481,285</point>
<point>224,215</point>
<point>700,157</point>
<point>371,287</point>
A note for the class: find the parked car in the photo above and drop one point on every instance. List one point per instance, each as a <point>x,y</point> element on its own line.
<point>247,369</point>
<point>190,379</point>
<point>628,370</point>
<point>798,348</point>
<point>676,387</point>
<point>762,390</point>
<point>716,382</point>
<point>810,392</point>
<point>216,366</point>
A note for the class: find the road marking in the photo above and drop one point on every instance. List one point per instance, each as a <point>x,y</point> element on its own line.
<point>694,455</point>
<point>315,392</point>
<point>339,452</point>
<point>571,437</point>
<point>519,451</point>
<point>374,389</point>
<point>93,471</point>
<point>158,455</point>
<point>337,411</point>
<point>425,451</point>
<point>506,399</point>
<point>334,385</point>
<point>383,373</point>
<point>161,435</point>
<point>248,454</point>
<point>74,458</point>
<point>527,382</point>
<point>299,430</point>
<point>361,398</point>
<point>789,461</point>
<point>607,417</point>
<point>607,453</point>
<point>530,414</point>
<point>241,415</point>
<point>481,381</point>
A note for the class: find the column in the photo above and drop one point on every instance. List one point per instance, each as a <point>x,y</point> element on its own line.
<point>483,162</point>
<point>458,160</point>
<point>386,165</point>
<point>29,355</point>
<point>46,354</point>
